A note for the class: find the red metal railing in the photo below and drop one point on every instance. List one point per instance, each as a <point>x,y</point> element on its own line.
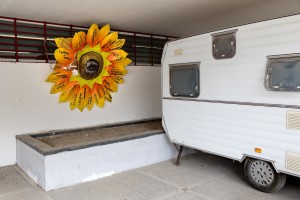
<point>23,40</point>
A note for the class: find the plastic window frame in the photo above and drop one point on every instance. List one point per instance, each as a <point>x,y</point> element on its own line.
<point>183,66</point>
<point>276,58</point>
<point>222,34</point>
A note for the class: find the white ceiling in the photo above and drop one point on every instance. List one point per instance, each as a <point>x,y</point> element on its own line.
<point>165,17</point>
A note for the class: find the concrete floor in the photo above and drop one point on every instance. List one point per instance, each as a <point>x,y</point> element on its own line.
<point>200,176</point>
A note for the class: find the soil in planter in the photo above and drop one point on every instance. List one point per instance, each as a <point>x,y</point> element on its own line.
<point>100,134</point>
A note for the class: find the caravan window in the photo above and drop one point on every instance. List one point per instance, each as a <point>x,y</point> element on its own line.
<point>283,73</point>
<point>184,80</point>
<point>224,44</point>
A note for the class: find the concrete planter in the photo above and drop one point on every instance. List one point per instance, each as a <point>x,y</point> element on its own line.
<point>54,168</point>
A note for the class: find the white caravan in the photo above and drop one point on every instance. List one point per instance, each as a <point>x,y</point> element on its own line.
<point>236,93</point>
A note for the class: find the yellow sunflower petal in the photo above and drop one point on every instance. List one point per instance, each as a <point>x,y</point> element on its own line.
<point>92,35</point>
<point>58,76</point>
<point>68,93</point>
<point>123,62</point>
<point>87,95</point>
<point>52,78</point>
<point>98,101</point>
<point>98,89</point>
<point>110,84</point>
<point>118,79</point>
<point>64,56</point>
<point>81,98</point>
<point>61,71</point>
<point>57,66</point>
<point>63,43</point>
<point>78,41</point>
<point>118,71</point>
<point>89,102</point>
<point>108,41</point>
<point>118,68</point>
<point>57,87</point>
<point>117,55</point>
<point>117,44</point>
<point>98,96</point>
<point>107,95</point>
<point>72,102</point>
<point>104,31</point>
<point>101,102</point>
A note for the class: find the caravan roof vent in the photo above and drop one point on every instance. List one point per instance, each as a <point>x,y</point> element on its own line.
<point>224,44</point>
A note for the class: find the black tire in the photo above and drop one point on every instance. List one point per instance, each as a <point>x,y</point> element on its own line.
<point>262,176</point>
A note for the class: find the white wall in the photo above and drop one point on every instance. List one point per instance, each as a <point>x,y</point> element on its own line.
<point>26,105</point>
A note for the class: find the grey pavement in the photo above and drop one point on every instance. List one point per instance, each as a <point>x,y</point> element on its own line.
<point>199,177</point>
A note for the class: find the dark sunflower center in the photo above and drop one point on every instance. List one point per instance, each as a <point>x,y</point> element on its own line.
<point>90,65</point>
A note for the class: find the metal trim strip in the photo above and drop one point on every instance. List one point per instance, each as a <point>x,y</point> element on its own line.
<point>235,103</point>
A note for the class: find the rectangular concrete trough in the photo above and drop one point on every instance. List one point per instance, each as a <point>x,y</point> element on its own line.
<point>54,164</point>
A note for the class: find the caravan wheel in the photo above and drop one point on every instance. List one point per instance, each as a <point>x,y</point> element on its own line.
<point>262,176</point>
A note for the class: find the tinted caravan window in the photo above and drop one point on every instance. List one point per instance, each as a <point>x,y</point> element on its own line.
<point>224,44</point>
<point>184,80</point>
<point>283,73</point>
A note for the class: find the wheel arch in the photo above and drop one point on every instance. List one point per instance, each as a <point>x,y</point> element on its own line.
<point>247,157</point>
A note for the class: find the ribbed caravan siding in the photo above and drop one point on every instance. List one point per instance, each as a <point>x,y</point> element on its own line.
<point>237,129</point>
<point>240,78</point>
<point>233,130</point>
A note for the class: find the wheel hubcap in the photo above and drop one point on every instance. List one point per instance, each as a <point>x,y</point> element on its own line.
<point>262,173</point>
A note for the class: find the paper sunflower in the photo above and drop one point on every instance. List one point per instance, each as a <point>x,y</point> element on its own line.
<point>88,67</point>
